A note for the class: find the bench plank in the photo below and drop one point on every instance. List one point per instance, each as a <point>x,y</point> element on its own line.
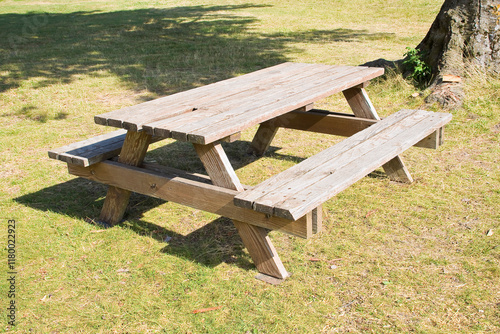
<point>93,150</point>
<point>247,198</point>
<point>90,151</point>
<point>305,186</point>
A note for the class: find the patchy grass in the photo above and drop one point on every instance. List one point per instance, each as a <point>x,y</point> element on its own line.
<point>406,258</point>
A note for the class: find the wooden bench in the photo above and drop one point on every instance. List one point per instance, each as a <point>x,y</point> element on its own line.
<point>302,188</point>
<point>99,148</point>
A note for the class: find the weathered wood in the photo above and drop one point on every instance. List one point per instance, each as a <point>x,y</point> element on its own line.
<point>218,166</point>
<point>133,152</point>
<point>241,94</point>
<point>308,92</point>
<point>261,249</point>
<point>93,150</point>
<point>255,238</point>
<point>338,124</point>
<point>279,181</point>
<point>205,115</point>
<point>187,102</point>
<point>90,151</point>
<point>305,186</point>
<point>262,97</point>
<point>193,190</point>
<point>317,219</point>
<point>262,139</point>
<point>266,132</point>
<point>362,107</point>
<point>360,103</point>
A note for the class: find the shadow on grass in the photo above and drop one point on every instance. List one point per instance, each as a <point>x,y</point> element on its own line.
<point>163,51</point>
<point>160,50</point>
<point>210,245</point>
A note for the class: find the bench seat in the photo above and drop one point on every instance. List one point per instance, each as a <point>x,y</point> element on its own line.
<point>90,151</point>
<point>302,188</point>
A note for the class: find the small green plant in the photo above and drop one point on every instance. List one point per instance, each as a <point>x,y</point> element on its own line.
<point>420,71</point>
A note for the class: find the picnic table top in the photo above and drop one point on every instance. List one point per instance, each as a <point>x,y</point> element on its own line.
<point>209,113</point>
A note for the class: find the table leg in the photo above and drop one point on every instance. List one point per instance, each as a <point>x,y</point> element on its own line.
<point>255,238</point>
<point>262,139</point>
<point>362,107</point>
<point>133,152</point>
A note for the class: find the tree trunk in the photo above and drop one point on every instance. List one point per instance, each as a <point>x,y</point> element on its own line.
<point>464,33</point>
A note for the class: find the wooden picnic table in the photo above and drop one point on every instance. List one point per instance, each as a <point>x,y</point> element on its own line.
<point>278,96</point>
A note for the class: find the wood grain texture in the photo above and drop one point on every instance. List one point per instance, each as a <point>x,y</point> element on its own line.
<point>206,114</point>
<point>218,166</point>
<point>305,186</point>
<point>255,238</point>
<point>262,139</point>
<point>133,152</point>
<point>362,107</point>
<point>193,190</point>
<point>338,124</point>
<point>93,150</point>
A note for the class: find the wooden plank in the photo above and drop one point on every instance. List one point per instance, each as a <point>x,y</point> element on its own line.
<point>362,107</point>
<point>93,150</point>
<point>166,103</point>
<point>265,134</point>
<point>255,238</point>
<point>133,152</point>
<point>277,101</point>
<point>89,151</point>
<point>248,98</point>
<point>247,198</point>
<point>383,150</point>
<point>322,122</point>
<point>360,103</point>
<point>334,172</point>
<point>334,159</point>
<point>338,124</point>
<point>305,94</point>
<point>188,189</point>
<point>184,102</point>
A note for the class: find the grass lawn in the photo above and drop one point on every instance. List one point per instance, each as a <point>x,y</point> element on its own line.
<point>392,258</point>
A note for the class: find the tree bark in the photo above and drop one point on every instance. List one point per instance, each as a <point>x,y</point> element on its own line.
<point>465,33</point>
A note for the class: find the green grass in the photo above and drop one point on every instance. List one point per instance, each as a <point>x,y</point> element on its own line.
<point>410,258</point>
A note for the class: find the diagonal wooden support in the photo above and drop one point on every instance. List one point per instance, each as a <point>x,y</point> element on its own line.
<point>263,138</point>
<point>362,107</point>
<point>255,238</point>
<point>265,134</point>
<point>132,153</point>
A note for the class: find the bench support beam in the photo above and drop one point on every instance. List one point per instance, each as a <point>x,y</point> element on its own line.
<point>362,107</point>
<point>132,153</point>
<point>255,238</point>
<point>188,189</point>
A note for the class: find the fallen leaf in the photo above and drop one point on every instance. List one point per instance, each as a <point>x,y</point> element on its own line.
<point>122,271</point>
<point>203,310</point>
<point>371,213</point>
<point>313,259</point>
<point>489,233</point>
<point>334,260</point>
